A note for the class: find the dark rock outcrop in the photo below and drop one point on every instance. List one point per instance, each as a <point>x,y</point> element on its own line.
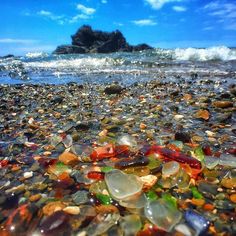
<point>69,49</point>
<point>7,56</point>
<point>87,40</point>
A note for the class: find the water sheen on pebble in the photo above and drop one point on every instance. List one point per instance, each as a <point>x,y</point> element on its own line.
<point>121,185</point>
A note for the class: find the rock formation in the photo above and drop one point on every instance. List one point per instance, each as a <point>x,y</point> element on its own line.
<point>87,40</point>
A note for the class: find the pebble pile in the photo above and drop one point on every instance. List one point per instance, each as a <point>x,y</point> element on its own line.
<point>149,159</point>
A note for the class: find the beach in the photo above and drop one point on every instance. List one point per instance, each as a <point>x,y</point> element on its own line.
<point>118,118</point>
<point>67,151</point>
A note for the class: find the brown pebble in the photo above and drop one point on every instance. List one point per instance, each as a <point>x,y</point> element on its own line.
<point>52,207</point>
<point>106,209</point>
<point>229,183</point>
<point>222,104</point>
<point>187,97</point>
<point>68,158</point>
<point>35,197</point>
<point>203,114</point>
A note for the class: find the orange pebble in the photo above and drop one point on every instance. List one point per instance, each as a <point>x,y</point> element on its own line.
<point>15,168</point>
<point>232,198</point>
<point>197,202</point>
<point>143,126</point>
<point>208,207</point>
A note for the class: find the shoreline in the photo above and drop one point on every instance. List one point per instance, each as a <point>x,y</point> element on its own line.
<point>40,122</point>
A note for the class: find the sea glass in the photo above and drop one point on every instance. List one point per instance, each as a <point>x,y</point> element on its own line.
<point>162,214</point>
<point>121,185</point>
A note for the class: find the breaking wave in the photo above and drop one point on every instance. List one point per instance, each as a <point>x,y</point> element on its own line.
<point>207,54</point>
<point>36,55</point>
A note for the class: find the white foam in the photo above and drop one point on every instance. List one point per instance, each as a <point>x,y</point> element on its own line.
<point>36,54</point>
<point>89,63</point>
<point>213,53</point>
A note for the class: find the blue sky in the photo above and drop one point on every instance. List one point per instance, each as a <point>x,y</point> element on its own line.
<point>41,25</point>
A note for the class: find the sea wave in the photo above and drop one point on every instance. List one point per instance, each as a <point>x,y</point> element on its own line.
<point>76,63</point>
<point>205,54</point>
<point>36,55</point>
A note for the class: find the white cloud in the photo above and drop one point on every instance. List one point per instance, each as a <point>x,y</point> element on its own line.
<point>231,26</point>
<point>179,8</point>
<point>227,10</point>
<point>118,23</point>
<point>158,4</point>
<point>144,22</point>
<point>104,1</point>
<point>85,14</point>
<point>208,28</point>
<point>19,41</point>
<point>76,18</point>
<point>44,13</point>
<point>224,12</point>
<point>60,19</point>
<point>86,10</point>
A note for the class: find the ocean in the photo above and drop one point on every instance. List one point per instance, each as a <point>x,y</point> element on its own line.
<point>126,68</point>
<point>81,155</point>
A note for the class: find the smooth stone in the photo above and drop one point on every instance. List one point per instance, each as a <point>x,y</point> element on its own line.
<point>113,89</point>
<point>130,224</point>
<point>207,188</point>
<point>102,222</point>
<point>183,229</point>
<point>55,224</point>
<point>127,140</point>
<point>183,136</point>
<point>221,226</point>
<point>80,197</point>
<point>170,168</point>
<point>28,174</point>
<point>73,210</point>
<point>2,199</point>
<point>198,222</point>
<point>52,207</point>
<point>222,104</point>
<point>224,205</point>
<point>80,177</point>
<point>163,215</point>
<point>57,100</point>
<point>55,140</point>
<point>227,160</point>
<point>135,202</point>
<point>98,188</point>
<point>211,162</point>
<point>232,197</point>
<point>67,141</point>
<point>178,117</point>
<point>229,183</point>
<point>87,210</point>
<point>203,114</point>
<point>121,185</point>
<point>148,181</point>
